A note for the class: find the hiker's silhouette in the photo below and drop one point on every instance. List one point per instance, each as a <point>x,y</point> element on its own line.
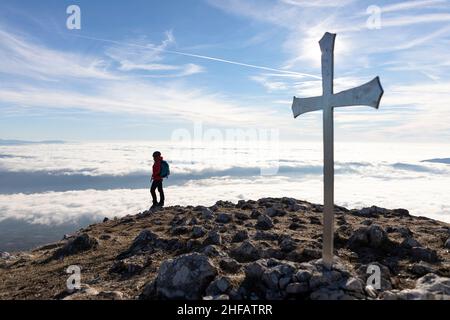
<point>160,171</point>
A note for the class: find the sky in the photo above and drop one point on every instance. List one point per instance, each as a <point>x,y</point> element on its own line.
<point>141,70</point>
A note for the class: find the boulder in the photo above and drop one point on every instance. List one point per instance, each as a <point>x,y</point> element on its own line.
<point>224,218</point>
<point>184,277</point>
<point>264,222</point>
<point>422,268</point>
<point>264,235</point>
<point>229,265</point>
<point>213,237</point>
<point>245,252</point>
<point>255,214</point>
<point>219,286</point>
<point>273,212</point>
<point>425,254</point>
<point>372,236</point>
<point>240,236</point>
<point>429,287</point>
<point>297,288</point>
<point>207,214</point>
<point>81,243</point>
<point>212,251</point>
<point>198,232</point>
<point>146,241</point>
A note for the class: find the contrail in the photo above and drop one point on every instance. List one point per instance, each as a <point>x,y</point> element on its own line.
<point>200,56</point>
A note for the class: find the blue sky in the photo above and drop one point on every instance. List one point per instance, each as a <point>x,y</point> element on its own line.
<point>130,73</point>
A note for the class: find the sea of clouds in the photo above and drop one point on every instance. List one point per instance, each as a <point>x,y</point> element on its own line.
<point>72,183</point>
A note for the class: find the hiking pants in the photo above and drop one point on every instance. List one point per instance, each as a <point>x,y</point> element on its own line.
<point>157,184</point>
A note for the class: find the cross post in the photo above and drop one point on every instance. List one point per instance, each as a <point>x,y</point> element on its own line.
<point>368,94</point>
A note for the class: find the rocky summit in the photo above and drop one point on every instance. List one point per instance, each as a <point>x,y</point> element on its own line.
<point>265,249</point>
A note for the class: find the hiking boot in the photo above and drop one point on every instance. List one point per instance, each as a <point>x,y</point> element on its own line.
<point>161,204</point>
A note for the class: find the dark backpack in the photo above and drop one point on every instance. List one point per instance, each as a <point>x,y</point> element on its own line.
<point>165,170</point>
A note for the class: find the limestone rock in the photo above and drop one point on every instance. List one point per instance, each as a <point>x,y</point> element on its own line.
<point>245,252</point>
<point>184,277</point>
<point>79,244</point>
<point>264,222</point>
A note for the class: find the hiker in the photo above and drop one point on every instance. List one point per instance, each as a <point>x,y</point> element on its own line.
<point>160,171</point>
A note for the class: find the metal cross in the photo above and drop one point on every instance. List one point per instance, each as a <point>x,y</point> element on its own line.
<point>368,94</point>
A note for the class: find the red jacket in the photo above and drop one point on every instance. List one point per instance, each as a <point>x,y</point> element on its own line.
<point>157,169</point>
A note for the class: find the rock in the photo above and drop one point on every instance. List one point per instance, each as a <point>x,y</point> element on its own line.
<point>146,241</point>
<point>410,242</point>
<point>273,212</point>
<point>264,235</point>
<point>425,254</point>
<point>373,236</point>
<point>377,236</point>
<point>271,278</point>
<point>404,231</point>
<point>184,277</point>
<point>218,297</point>
<point>264,222</point>
<point>400,212</point>
<point>86,292</point>
<point>325,279</point>
<point>212,251</point>
<point>241,215</point>
<point>303,275</point>
<point>79,244</point>
<point>129,267</point>
<point>327,294</point>
<point>373,211</point>
<point>213,237</point>
<point>207,214</point>
<point>447,244</point>
<point>287,244</point>
<point>229,265</point>
<point>355,285</point>
<point>5,255</point>
<point>179,230</point>
<point>255,270</point>
<point>422,268</point>
<point>255,214</point>
<point>105,237</point>
<point>198,232</point>
<point>246,252</point>
<point>297,288</point>
<point>223,218</point>
<point>105,220</point>
<point>218,286</point>
<point>296,226</point>
<point>429,287</point>
<point>193,221</point>
<point>240,236</point>
<point>214,208</point>
<point>110,295</point>
<point>315,220</point>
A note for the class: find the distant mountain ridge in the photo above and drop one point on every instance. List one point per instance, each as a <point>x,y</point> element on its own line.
<point>7,142</point>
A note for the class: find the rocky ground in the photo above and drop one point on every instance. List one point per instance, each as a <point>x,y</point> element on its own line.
<point>265,249</point>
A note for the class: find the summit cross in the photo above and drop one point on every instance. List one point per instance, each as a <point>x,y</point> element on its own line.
<point>368,94</point>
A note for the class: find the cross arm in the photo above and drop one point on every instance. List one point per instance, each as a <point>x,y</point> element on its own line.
<point>368,94</point>
<point>304,105</point>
